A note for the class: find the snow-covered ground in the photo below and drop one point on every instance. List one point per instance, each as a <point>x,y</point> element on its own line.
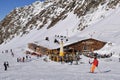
<point>37,69</point>
<point>106,29</point>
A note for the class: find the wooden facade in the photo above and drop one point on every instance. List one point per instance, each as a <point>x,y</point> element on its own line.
<point>70,51</point>
<point>82,47</point>
<point>37,49</point>
<point>87,45</point>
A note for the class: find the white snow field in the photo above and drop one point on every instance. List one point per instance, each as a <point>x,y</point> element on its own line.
<point>37,69</point>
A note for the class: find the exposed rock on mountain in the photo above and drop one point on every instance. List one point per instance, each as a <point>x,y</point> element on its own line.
<point>49,13</point>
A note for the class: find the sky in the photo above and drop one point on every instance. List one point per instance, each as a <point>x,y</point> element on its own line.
<point>6,6</point>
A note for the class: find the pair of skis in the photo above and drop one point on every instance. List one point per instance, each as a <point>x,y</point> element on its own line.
<point>106,71</point>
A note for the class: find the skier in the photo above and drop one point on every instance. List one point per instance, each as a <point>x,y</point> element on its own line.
<point>5,65</point>
<point>77,57</point>
<point>12,52</point>
<point>94,64</point>
<point>18,59</point>
<point>23,59</point>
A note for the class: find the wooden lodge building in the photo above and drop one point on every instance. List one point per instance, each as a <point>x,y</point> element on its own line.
<point>83,46</point>
<point>87,45</point>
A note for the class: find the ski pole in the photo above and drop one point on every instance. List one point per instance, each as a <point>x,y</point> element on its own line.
<point>99,70</point>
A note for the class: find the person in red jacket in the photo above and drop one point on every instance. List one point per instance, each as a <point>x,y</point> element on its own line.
<point>94,65</point>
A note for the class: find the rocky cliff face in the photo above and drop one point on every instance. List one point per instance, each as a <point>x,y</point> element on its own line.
<point>47,14</point>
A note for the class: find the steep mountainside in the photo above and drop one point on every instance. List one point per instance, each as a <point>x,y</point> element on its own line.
<point>48,14</point>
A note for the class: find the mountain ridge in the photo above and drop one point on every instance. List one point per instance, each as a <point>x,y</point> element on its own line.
<point>50,13</point>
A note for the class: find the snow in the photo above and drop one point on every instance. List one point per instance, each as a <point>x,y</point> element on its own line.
<point>37,69</point>
<point>106,29</point>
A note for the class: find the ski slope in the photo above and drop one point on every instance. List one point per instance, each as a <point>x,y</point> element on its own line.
<point>37,69</point>
<point>106,29</point>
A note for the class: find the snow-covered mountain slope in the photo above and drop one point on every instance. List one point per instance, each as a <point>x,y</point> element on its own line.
<point>106,30</point>
<point>76,19</point>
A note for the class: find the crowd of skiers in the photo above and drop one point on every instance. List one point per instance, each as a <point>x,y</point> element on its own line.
<point>21,59</point>
<point>6,63</point>
<point>105,55</point>
<point>24,59</point>
<point>7,51</point>
<point>70,58</point>
<point>91,54</point>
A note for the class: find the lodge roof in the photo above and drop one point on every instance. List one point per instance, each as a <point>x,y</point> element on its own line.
<point>84,41</point>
